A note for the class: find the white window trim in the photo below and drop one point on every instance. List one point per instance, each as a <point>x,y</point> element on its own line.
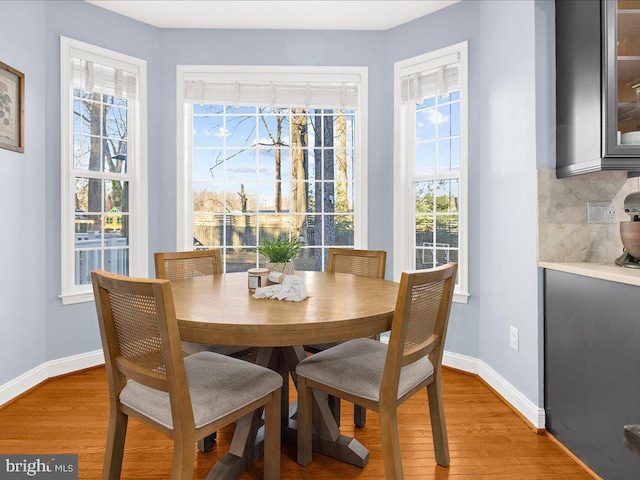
<point>184,205</point>
<point>138,202</point>
<point>403,193</point>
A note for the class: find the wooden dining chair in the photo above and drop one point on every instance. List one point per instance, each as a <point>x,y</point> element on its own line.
<point>368,263</point>
<point>150,380</point>
<point>198,263</point>
<point>381,377</point>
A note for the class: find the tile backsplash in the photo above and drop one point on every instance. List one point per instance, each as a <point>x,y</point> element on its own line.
<point>563,232</point>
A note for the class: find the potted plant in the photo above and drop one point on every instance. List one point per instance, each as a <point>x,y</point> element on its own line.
<point>280,252</point>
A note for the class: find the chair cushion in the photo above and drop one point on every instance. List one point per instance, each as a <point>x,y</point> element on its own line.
<point>218,386</point>
<point>356,367</point>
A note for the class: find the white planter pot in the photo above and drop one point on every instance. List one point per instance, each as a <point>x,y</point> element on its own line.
<point>282,267</point>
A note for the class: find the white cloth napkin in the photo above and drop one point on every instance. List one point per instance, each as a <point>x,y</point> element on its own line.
<point>292,288</point>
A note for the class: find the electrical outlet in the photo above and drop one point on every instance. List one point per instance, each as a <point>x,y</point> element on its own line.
<point>601,212</point>
<point>514,341</point>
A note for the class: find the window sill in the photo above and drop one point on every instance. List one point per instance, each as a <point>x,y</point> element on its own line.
<point>459,297</point>
<point>72,298</point>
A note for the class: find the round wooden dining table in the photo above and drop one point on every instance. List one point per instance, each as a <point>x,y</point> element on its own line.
<point>221,310</point>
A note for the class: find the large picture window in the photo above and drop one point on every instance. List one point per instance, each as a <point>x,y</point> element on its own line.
<point>431,163</point>
<point>284,166</point>
<point>103,159</point>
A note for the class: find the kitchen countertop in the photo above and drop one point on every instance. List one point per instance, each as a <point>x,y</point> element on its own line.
<point>604,271</point>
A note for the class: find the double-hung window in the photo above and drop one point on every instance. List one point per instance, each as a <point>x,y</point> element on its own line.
<point>103,128</point>
<point>431,163</point>
<point>271,152</point>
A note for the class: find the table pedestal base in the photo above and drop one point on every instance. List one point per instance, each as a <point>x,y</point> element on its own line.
<point>247,444</point>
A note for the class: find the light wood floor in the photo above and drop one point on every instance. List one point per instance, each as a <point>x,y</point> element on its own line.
<point>487,440</point>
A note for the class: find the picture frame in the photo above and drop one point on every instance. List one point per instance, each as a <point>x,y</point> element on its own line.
<point>11,108</point>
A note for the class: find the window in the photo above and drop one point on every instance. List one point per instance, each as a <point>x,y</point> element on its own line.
<point>267,157</point>
<point>104,211</point>
<point>431,163</point>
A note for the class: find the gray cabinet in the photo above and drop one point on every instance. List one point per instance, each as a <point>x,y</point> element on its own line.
<point>592,369</point>
<point>597,86</point>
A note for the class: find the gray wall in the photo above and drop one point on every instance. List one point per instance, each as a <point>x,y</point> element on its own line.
<point>22,242</point>
<point>503,146</point>
<point>508,286</point>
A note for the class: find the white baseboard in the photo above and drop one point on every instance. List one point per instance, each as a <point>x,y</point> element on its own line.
<point>460,362</point>
<point>53,368</point>
<point>526,407</point>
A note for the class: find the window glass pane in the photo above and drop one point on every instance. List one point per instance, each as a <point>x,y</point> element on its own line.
<point>115,122</point>
<point>434,257</point>
<point>116,194</point>
<point>88,231</point>
<point>88,195</point>
<point>116,160</point>
<point>275,164</point>
<point>239,259</point>
<point>275,197</point>
<point>343,229</point>
<point>209,197</point>
<point>343,130</point>
<point>447,195</point>
<point>426,124</point>
<point>207,164</point>
<point>455,118</point>
<point>424,231</point>
<point>455,95</point>
<point>444,120</point>
<point>241,130</point>
<point>116,260</point>
<point>424,197</point>
<point>241,165</point>
<point>343,195</point>
<point>241,230</point>
<point>241,197</point>
<point>444,155</point>
<point>209,131</point>
<point>274,226</point>
<point>308,229</point>
<point>84,262</point>
<point>81,152</point>
<point>121,236</point>
<point>425,258</point>
<point>274,129</point>
<point>208,230</point>
<point>447,230</point>
<point>309,260</point>
<point>455,154</point>
<point>425,158</point>
<point>81,117</point>
<point>343,164</point>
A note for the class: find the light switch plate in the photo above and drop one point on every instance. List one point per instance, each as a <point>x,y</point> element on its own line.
<point>601,212</point>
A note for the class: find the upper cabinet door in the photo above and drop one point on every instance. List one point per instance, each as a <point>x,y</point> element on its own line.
<point>621,78</point>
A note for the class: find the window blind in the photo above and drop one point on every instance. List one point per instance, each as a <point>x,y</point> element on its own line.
<point>94,74</point>
<point>281,93</point>
<point>429,79</point>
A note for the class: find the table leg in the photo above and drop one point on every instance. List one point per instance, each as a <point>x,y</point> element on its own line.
<point>247,444</point>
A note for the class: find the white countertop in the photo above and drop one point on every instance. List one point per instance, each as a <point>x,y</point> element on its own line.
<point>604,271</point>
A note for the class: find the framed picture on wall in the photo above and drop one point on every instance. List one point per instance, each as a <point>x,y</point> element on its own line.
<point>11,108</point>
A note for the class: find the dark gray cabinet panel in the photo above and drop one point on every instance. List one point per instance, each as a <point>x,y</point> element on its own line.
<point>587,112</point>
<point>592,369</point>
